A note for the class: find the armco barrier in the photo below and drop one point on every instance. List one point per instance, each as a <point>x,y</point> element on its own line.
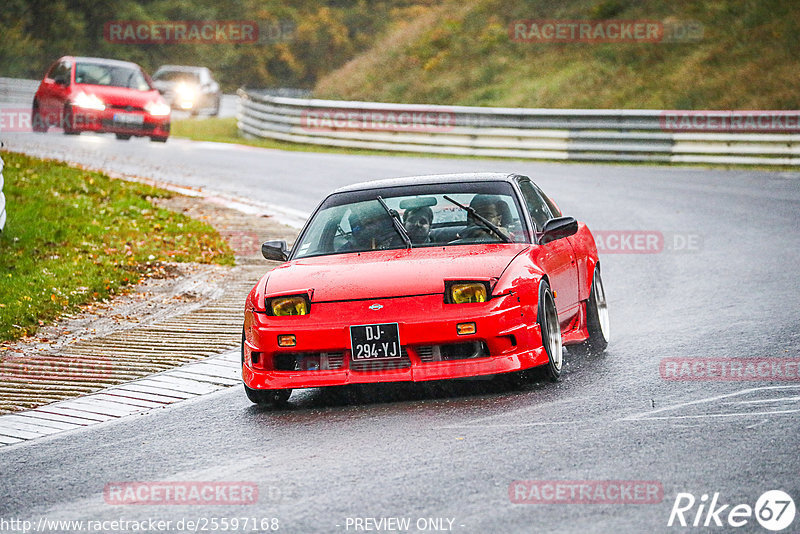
<point>17,91</point>
<point>559,134</point>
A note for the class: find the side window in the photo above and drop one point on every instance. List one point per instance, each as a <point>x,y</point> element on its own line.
<point>553,208</point>
<point>61,73</point>
<point>537,206</point>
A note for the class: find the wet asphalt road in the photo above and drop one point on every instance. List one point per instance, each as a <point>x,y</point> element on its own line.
<point>451,451</point>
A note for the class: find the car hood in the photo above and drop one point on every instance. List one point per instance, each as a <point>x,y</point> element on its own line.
<point>118,96</point>
<point>163,85</point>
<point>390,273</point>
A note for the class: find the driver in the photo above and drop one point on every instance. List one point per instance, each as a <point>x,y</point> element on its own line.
<point>493,209</point>
<point>417,222</point>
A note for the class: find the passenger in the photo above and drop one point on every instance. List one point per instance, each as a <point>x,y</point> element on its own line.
<point>417,222</point>
<point>493,209</point>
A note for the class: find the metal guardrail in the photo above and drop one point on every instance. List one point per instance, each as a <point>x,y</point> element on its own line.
<point>17,91</point>
<point>559,134</point>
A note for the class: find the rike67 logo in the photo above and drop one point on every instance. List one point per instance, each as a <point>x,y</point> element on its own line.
<point>774,510</point>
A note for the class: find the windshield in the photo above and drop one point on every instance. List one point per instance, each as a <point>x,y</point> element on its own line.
<point>356,222</point>
<point>176,76</point>
<point>111,75</point>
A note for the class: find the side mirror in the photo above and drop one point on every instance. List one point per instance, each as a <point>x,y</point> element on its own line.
<point>558,228</point>
<point>275,250</point>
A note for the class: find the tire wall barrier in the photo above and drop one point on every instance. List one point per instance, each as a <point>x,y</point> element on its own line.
<point>2,199</point>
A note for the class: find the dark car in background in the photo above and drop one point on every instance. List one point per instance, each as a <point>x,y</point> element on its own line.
<point>93,94</point>
<point>186,88</point>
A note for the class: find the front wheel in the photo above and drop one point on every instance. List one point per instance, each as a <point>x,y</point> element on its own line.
<point>158,139</point>
<point>268,397</point>
<point>547,317</point>
<point>123,137</point>
<point>596,318</point>
<point>68,121</point>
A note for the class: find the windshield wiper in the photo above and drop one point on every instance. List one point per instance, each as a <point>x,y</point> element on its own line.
<point>396,222</point>
<point>495,230</point>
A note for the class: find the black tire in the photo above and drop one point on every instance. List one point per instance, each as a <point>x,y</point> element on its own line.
<point>68,121</point>
<point>38,123</point>
<point>123,137</point>
<point>268,397</point>
<point>547,317</point>
<point>596,318</point>
<point>215,111</point>
<point>264,397</point>
<point>158,139</point>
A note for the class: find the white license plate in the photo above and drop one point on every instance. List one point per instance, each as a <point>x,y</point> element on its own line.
<point>128,118</point>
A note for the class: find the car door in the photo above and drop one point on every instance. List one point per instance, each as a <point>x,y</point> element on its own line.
<point>57,91</point>
<point>44,95</point>
<point>557,258</point>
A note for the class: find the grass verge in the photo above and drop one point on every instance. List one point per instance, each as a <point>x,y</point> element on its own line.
<point>225,131</point>
<point>74,236</point>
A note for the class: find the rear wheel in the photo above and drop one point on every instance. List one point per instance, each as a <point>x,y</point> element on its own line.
<point>123,137</point>
<point>547,317</point>
<point>38,123</point>
<point>158,139</point>
<point>265,397</point>
<point>596,318</point>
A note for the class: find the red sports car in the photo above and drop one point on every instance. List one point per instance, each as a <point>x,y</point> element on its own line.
<point>424,278</point>
<point>100,95</point>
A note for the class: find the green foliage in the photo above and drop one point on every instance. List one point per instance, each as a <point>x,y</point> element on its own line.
<point>74,236</point>
<point>460,52</point>
<point>327,34</point>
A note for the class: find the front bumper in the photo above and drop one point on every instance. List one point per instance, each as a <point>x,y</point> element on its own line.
<point>126,122</point>
<point>505,340</point>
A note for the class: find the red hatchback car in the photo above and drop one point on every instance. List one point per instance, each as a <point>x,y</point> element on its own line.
<point>424,278</point>
<point>100,95</point>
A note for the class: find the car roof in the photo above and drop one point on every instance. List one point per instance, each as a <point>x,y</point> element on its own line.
<point>103,61</point>
<point>429,179</point>
<point>181,68</point>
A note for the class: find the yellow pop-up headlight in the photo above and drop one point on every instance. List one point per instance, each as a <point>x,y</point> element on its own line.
<point>466,292</point>
<point>294,305</point>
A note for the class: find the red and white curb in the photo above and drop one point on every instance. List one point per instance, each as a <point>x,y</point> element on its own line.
<point>138,396</point>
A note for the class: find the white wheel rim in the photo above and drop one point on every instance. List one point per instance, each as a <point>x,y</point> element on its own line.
<point>553,333</point>
<point>601,305</point>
